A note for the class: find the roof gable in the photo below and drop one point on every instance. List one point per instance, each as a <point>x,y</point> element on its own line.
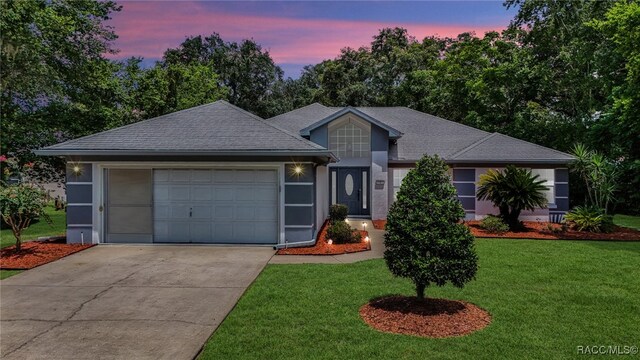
<point>393,133</point>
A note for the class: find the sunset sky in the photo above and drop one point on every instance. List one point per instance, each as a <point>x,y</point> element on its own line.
<point>296,33</point>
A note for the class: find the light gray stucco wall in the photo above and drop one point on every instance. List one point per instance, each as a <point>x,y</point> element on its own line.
<point>379,172</point>
<point>299,204</point>
<point>79,202</point>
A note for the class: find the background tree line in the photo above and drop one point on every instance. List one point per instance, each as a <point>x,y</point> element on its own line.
<point>561,73</point>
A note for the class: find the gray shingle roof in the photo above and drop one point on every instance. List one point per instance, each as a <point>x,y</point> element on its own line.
<point>428,134</point>
<point>214,127</point>
<point>508,149</point>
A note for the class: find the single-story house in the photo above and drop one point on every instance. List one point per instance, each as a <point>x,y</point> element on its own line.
<point>218,174</point>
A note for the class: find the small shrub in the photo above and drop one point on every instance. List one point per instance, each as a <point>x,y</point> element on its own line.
<point>338,213</point>
<point>20,205</point>
<point>555,229</point>
<point>589,218</point>
<point>341,233</point>
<point>494,224</point>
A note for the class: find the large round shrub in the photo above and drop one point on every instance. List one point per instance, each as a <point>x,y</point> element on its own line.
<point>424,238</point>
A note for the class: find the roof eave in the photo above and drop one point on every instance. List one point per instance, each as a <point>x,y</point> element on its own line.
<point>497,162</point>
<point>120,152</point>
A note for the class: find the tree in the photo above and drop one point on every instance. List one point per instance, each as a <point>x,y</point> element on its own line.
<point>245,69</point>
<point>425,240</point>
<point>55,81</point>
<point>20,205</point>
<point>511,191</point>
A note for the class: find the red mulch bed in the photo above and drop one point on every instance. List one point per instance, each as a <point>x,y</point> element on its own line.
<point>379,224</point>
<point>36,253</point>
<point>323,248</point>
<point>435,318</point>
<point>540,230</point>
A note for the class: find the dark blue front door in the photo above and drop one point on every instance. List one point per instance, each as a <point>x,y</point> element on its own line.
<point>349,186</point>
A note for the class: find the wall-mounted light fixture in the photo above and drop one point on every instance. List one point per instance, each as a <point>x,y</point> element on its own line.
<point>296,170</point>
<point>76,169</point>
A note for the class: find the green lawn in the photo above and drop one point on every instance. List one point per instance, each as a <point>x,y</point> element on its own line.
<point>627,221</point>
<point>546,298</point>
<point>7,273</point>
<point>41,228</point>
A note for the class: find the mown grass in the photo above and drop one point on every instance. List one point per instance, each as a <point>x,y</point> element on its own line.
<point>8,273</point>
<point>40,228</point>
<point>629,221</point>
<point>546,298</point>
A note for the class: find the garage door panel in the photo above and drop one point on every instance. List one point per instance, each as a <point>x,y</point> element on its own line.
<point>161,231</point>
<point>201,176</point>
<point>246,213</point>
<point>201,193</point>
<point>161,193</point>
<point>179,192</point>
<point>223,193</point>
<point>223,176</point>
<point>265,193</point>
<point>222,231</point>
<point>178,232</point>
<point>162,212</point>
<point>201,212</point>
<point>267,176</point>
<point>178,212</point>
<point>244,176</point>
<point>216,206</point>
<point>244,193</point>
<point>223,212</point>
<point>243,233</point>
<point>201,232</point>
<point>180,176</point>
<point>268,213</point>
<point>263,228</point>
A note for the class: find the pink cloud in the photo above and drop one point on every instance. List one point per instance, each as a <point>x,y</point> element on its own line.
<point>147,29</point>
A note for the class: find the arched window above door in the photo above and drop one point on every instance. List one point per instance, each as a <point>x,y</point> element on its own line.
<point>350,138</point>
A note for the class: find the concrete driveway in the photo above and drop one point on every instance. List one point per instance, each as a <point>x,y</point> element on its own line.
<point>124,302</point>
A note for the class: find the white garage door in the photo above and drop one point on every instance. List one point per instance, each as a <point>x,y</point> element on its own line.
<point>225,206</point>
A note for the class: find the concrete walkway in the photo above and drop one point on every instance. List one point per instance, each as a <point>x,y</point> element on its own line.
<point>124,302</point>
<point>376,252</point>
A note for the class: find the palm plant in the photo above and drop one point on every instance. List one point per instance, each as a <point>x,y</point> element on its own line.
<point>598,174</point>
<point>511,191</point>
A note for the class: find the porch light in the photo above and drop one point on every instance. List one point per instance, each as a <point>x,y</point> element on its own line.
<point>76,169</point>
<point>296,170</point>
